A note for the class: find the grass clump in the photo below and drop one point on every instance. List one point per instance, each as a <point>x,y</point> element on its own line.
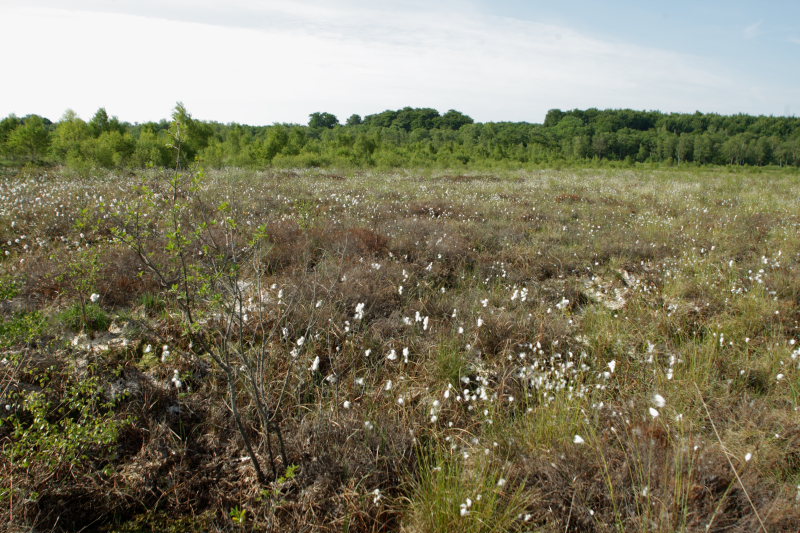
<point>89,318</point>
<point>456,492</point>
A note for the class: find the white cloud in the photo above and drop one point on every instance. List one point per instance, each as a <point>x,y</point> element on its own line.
<point>273,61</point>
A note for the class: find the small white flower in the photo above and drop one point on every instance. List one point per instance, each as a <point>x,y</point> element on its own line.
<point>346,404</point>
<point>653,412</point>
<point>392,355</point>
<point>388,385</point>
<point>176,380</point>
<point>94,298</point>
<point>747,457</point>
<point>480,322</point>
<point>659,400</point>
<point>359,311</point>
<point>578,439</point>
<point>368,425</point>
<point>301,340</point>
<point>779,377</point>
<point>314,365</point>
<point>612,365</point>
<point>501,482</point>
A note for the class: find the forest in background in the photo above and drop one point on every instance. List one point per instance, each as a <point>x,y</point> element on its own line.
<point>408,137</point>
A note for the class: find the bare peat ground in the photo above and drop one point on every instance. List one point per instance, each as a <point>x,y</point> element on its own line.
<point>610,350</point>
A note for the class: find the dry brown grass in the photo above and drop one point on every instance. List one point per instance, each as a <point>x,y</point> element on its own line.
<point>495,386</point>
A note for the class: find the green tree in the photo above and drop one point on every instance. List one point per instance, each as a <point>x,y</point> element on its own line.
<point>150,148</point>
<point>68,136</point>
<point>111,150</point>
<point>192,134</point>
<point>703,148</point>
<point>7,125</point>
<point>453,120</point>
<point>322,120</point>
<point>30,140</point>
<point>100,122</point>
<point>277,139</point>
<point>685,147</point>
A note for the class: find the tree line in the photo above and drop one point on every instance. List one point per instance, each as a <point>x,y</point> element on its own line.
<point>408,137</point>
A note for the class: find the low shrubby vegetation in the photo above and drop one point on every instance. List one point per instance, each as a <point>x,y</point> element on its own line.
<point>308,350</point>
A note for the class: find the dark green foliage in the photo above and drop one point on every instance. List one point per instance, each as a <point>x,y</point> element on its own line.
<point>453,120</point>
<point>353,120</point>
<point>418,137</point>
<point>322,120</point>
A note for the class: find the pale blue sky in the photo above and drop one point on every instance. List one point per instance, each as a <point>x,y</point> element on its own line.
<point>758,40</point>
<point>265,61</point>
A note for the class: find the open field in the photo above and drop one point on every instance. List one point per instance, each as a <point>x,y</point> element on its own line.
<point>579,350</point>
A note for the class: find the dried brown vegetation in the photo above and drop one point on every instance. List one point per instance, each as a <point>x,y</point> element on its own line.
<point>551,351</point>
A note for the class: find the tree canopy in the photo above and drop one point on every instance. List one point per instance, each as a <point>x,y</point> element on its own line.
<point>408,137</point>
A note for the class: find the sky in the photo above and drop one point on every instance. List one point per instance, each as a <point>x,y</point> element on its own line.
<point>269,61</point>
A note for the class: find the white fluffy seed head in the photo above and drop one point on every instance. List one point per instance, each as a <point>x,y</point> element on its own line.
<point>659,400</point>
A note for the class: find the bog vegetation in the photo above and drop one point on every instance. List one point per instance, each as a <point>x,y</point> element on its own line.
<point>373,350</point>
